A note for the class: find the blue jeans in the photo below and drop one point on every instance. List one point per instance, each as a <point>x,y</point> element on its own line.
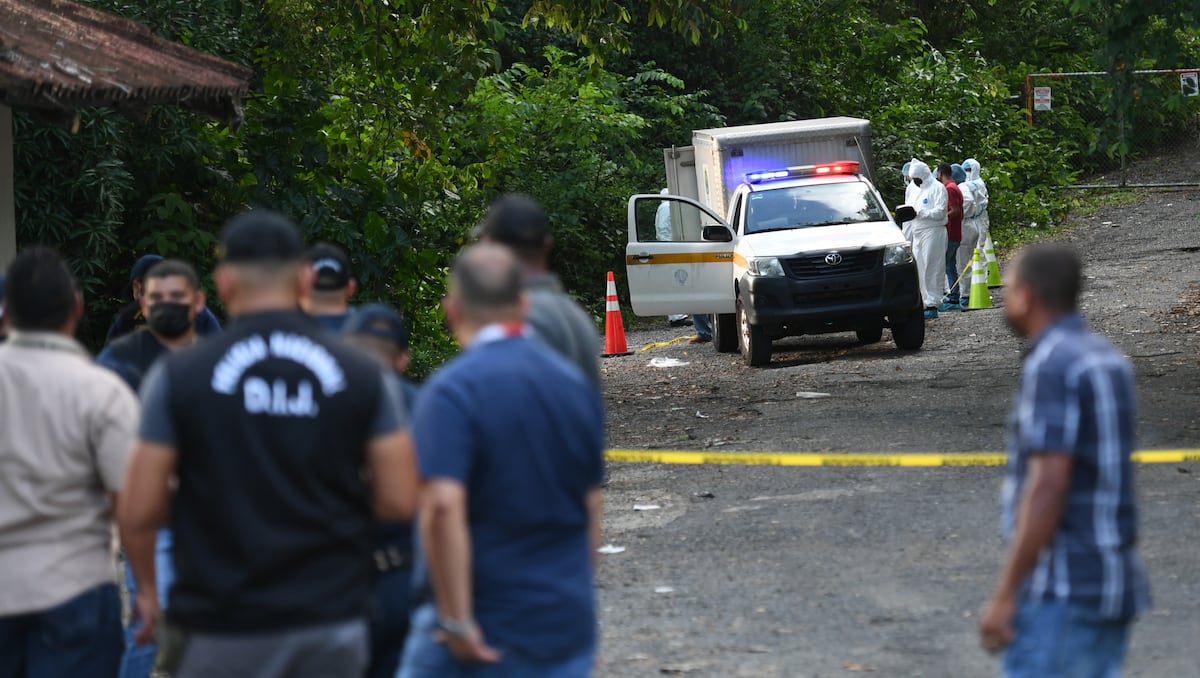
<point>952,269</point>
<point>391,609</point>
<point>81,637</point>
<point>138,660</point>
<point>1065,641</point>
<point>424,657</point>
<point>703,325</point>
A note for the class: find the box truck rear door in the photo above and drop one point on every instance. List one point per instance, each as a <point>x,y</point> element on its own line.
<point>671,267</point>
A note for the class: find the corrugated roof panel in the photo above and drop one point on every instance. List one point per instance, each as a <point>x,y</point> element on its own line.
<point>57,55</point>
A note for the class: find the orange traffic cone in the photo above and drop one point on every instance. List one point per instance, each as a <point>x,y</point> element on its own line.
<point>614,328</point>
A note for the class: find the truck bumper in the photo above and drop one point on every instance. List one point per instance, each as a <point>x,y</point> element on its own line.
<point>787,306</point>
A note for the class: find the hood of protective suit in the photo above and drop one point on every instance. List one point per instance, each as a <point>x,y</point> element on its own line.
<point>957,173</point>
<point>904,169</point>
<point>930,198</point>
<point>919,170</point>
<point>972,168</point>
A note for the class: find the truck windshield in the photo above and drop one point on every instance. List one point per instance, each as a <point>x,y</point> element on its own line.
<point>810,206</point>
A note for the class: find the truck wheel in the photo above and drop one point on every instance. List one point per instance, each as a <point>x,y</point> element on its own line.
<point>910,334</point>
<point>725,333</point>
<point>754,344</point>
<point>870,335</point>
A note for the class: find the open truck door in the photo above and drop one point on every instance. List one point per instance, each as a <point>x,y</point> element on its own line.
<point>679,258</point>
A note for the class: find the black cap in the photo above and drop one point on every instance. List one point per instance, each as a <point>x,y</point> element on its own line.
<point>262,237</point>
<point>331,265</point>
<point>143,265</point>
<point>515,220</point>
<point>379,321</point>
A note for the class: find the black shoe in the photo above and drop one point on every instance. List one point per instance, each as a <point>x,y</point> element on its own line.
<point>685,320</point>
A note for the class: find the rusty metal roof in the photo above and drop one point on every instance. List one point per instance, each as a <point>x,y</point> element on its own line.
<point>57,56</point>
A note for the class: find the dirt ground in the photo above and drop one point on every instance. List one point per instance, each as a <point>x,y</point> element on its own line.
<point>769,571</point>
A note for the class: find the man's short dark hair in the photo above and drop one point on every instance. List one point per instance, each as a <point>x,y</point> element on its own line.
<point>946,170</point>
<point>1053,272</point>
<point>169,268</point>
<point>41,291</point>
<point>487,278</point>
<point>517,221</point>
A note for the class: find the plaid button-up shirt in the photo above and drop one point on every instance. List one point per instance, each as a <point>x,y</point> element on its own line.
<point>1077,398</point>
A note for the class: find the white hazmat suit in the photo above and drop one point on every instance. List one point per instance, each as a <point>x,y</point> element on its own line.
<point>910,195</point>
<point>929,233</point>
<point>975,213</point>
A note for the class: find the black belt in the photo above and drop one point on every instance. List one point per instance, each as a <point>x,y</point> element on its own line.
<point>391,558</point>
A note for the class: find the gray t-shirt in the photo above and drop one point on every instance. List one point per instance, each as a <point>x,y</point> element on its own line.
<point>157,426</point>
<point>562,324</point>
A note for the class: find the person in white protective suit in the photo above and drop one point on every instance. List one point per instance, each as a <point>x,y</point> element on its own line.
<point>910,192</point>
<point>970,234</point>
<point>929,235</point>
<point>976,215</point>
<point>663,232</point>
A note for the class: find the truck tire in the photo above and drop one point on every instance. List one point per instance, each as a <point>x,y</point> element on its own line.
<point>870,335</point>
<point>909,335</point>
<point>725,333</point>
<point>752,341</point>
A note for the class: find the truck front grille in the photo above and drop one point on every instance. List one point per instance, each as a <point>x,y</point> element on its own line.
<point>849,295</point>
<point>815,265</point>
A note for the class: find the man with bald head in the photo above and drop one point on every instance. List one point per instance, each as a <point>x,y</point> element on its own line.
<point>510,438</point>
<point>1072,582</point>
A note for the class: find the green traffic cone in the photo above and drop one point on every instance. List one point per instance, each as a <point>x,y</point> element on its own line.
<point>980,297</point>
<point>993,268</point>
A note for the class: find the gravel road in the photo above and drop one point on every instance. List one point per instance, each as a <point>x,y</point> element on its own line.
<point>768,571</point>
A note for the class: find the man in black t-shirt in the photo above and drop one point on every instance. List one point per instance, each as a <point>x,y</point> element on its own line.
<point>171,301</point>
<point>286,445</point>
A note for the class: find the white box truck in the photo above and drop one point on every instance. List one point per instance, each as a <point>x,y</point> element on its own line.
<point>776,230</point>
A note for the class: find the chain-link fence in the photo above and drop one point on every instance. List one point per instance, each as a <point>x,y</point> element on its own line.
<point>1161,114</point>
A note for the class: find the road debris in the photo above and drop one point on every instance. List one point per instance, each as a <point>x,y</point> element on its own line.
<point>610,549</point>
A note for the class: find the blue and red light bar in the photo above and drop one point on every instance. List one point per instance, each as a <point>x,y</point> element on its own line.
<point>799,171</point>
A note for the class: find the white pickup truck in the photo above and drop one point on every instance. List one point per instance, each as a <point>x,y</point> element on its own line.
<point>805,245</point>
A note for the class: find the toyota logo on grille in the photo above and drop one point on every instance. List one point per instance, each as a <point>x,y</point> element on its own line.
<point>833,258</point>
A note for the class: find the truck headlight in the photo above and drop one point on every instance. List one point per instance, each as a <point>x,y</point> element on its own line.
<point>765,266</point>
<point>897,254</point>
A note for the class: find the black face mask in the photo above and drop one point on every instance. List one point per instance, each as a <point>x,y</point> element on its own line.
<point>918,181</point>
<point>169,320</point>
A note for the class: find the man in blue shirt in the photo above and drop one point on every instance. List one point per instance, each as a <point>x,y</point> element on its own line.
<point>510,439</point>
<point>1073,581</point>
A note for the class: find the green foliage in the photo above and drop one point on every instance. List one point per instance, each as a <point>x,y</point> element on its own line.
<point>946,108</point>
<point>389,127</point>
<point>573,137</point>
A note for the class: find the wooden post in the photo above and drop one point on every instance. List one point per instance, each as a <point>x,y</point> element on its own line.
<point>8,210</point>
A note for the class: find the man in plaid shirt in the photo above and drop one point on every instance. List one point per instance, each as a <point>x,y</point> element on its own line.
<point>1073,581</point>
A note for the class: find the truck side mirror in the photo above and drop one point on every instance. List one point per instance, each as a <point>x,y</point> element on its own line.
<point>717,233</point>
<point>905,213</point>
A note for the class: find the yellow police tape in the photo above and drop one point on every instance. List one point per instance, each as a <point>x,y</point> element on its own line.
<point>856,459</point>
<point>660,344</point>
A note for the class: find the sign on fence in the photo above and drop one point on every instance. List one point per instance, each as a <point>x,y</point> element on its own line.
<point>1041,98</point>
<point>1189,83</point>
